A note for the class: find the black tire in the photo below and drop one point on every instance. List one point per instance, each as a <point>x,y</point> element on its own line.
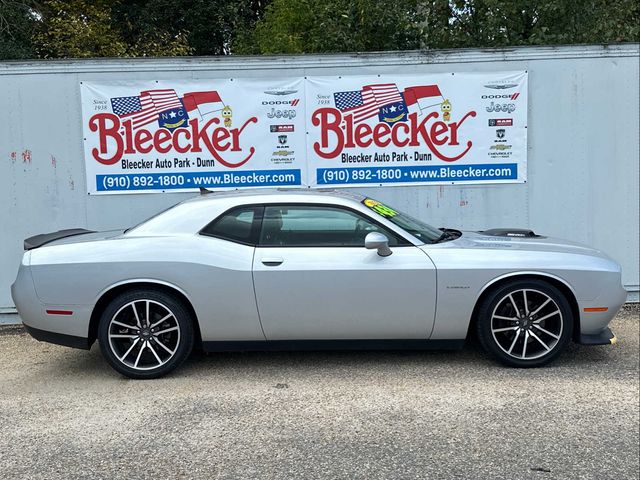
<point>503,328</point>
<point>166,345</point>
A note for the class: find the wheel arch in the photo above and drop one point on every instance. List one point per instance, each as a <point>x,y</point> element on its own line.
<point>554,280</point>
<point>108,294</point>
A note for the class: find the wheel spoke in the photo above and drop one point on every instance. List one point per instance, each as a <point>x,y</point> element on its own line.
<point>541,306</point>
<point>129,351</point>
<point>159,342</point>
<point>161,320</point>
<point>511,319</point>
<point>131,327</point>
<point>539,340</point>
<point>513,302</point>
<point>524,348</point>
<point>165,331</point>
<point>144,344</point>
<point>513,344</point>
<point>547,332</point>
<point>155,354</point>
<point>135,312</point>
<point>505,329</point>
<point>538,320</point>
<point>118,335</point>
<point>526,305</point>
<point>147,319</point>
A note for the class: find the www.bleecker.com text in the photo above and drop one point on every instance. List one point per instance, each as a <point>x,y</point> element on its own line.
<point>142,164</point>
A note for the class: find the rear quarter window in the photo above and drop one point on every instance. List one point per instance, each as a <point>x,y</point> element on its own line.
<point>237,225</point>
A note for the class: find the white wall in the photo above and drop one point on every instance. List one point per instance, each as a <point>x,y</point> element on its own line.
<point>583,147</point>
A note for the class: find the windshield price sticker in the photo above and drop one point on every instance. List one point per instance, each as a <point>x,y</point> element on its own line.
<point>379,208</point>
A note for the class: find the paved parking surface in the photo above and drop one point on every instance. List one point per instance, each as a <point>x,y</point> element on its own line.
<point>65,414</point>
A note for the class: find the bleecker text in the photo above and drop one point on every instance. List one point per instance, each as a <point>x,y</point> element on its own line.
<point>193,139</point>
<point>338,132</point>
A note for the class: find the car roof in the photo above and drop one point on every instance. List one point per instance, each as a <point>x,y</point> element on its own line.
<point>191,215</point>
<point>270,194</point>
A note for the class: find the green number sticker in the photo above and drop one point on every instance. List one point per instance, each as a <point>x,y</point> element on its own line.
<point>379,208</point>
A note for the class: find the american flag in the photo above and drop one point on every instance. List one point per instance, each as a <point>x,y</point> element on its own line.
<point>145,108</point>
<point>367,102</point>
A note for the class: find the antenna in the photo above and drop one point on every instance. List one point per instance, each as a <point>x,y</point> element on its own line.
<point>205,191</point>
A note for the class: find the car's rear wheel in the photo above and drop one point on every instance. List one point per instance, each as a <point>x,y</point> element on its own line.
<point>145,333</point>
<point>525,323</point>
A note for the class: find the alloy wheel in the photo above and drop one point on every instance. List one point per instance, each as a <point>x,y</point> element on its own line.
<point>144,334</point>
<point>527,324</point>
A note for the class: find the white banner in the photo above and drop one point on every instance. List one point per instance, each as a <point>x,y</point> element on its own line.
<point>159,136</point>
<point>416,129</point>
<point>319,131</point>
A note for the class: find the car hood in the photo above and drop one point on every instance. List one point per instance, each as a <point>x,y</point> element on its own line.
<point>476,240</point>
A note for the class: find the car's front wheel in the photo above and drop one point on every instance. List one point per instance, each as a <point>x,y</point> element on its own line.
<point>145,333</point>
<point>525,323</point>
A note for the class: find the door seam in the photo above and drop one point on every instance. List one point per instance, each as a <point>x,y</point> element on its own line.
<point>255,294</point>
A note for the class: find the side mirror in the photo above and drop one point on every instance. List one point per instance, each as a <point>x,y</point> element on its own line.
<point>378,241</point>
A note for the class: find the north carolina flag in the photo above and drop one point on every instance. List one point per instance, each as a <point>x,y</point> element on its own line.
<point>424,96</point>
<point>204,102</point>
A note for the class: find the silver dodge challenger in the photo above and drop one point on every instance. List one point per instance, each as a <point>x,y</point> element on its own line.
<point>278,269</point>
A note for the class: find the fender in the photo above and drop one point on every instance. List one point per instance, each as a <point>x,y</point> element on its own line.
<point>140,280</point>
<point>524,273</point>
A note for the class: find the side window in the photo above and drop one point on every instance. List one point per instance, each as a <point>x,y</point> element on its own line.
<point>236,225</point>
<point>317,226</point>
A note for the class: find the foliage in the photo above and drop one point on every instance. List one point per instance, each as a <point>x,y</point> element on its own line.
<point>316,26</point>
<point>78,28</point>
<point>484,23</point>
<point>17,25</point>
<point>137,28</point>
<point>100,28</point>
<point>296,26</point>
<point>208,27</point>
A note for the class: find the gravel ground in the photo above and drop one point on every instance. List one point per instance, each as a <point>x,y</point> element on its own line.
<point>65,414</point>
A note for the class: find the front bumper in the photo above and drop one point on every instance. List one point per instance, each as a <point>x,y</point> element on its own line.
<point>606,337</point>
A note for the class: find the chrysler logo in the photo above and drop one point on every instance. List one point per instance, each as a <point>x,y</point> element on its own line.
<point>501,86</point>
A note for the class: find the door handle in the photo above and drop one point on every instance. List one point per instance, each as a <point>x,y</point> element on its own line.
<point>272,262</point>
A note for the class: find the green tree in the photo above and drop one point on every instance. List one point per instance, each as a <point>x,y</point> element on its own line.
<point>316,26</point>
<point>137,28</point>
<point>18,21</point>
<point>494,23</point>
<point>78,28</point>
<point>100,28</point>
<point>209,27</point>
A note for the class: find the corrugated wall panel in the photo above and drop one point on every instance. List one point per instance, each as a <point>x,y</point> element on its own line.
<point>583,145</point>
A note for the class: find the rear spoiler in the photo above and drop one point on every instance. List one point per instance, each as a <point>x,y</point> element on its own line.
<point>39,240</point>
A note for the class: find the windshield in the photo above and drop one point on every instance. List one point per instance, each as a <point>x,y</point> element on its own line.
<point>415,227</point>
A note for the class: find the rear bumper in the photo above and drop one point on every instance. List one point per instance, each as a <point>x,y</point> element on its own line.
<point>48,318</point>
<point>606,337</point>
<point>58,338</point>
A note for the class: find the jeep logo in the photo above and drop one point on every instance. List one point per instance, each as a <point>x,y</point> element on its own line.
<point>504,107</point>
<point>290,113</point>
